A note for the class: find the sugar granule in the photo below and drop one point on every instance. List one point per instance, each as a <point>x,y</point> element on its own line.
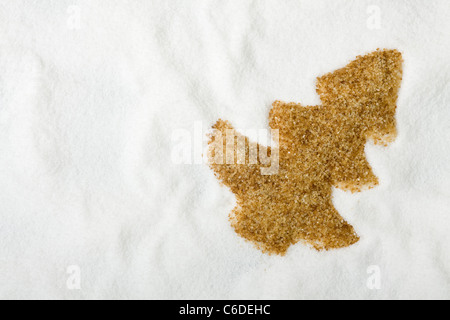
<point>320,147</point>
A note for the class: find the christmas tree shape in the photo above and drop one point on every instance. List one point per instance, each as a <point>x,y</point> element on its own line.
<point>320,147</point>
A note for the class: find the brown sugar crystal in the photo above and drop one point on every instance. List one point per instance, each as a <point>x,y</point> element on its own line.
<point>319,148</point>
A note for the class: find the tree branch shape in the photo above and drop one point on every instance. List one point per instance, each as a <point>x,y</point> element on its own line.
<point>320,147</point>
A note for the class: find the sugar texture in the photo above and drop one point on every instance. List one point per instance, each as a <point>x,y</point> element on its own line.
<point>91,93</point>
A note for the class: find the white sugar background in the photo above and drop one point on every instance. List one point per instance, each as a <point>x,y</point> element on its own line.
<point>92,91</point>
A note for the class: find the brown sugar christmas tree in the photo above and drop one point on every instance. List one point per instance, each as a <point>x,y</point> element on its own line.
<point>320,147</point>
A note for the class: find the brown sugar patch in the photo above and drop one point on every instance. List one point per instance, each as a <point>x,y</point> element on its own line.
<point>320,147</point>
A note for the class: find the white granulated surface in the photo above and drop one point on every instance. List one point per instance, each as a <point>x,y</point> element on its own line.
<point>91,93</point>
